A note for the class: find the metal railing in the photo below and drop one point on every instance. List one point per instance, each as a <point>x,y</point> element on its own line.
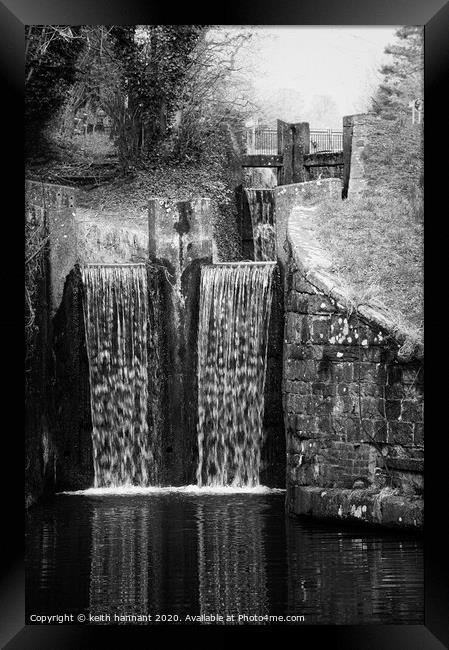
<point>322,140</point>
<point>265,141</point>
<point>261,141</point>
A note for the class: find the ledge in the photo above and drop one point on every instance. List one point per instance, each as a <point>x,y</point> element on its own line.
<point>262,160</point>
<point>324,159</point>
<point>370,506</point>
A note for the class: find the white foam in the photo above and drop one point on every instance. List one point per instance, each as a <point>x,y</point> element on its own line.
<point>192,490</point>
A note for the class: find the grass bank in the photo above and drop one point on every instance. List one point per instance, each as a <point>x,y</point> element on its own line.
<point>375,244</point>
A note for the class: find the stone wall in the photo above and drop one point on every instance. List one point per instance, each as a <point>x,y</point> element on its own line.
<point>323,165</point>
<point>49,213</point>
<point>57,203</point>
<point>288,196</point>
<point>57,407</point>
<point>101,242</point>
<point>293,145</point>
<point>273,466</point>
<point>353,407</point>
<point>180,242</point>
<point>71,395</point>
<point>358,131</point>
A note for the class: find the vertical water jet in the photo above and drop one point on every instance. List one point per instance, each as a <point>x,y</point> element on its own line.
<point>235,304</point>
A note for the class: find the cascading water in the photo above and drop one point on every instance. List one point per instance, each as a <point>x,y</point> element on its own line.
<point>235,304</point>
<point>261,207</point>
<point>116,321</point>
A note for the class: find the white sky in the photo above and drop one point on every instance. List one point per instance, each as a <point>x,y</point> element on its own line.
<point>342,62</point>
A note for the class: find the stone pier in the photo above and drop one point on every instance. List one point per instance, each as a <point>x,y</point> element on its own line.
<point>293,145</point>
<point>180,242</point>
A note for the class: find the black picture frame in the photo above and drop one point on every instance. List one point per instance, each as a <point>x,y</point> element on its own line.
<point>434,15</point>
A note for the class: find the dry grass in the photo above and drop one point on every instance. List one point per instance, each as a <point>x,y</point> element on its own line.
<point>376,245</point>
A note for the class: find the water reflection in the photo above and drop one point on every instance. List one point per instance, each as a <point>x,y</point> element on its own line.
<point>143,555</point>
<point>231,559</point>
<point>215,554</point>
<point>344,577</point>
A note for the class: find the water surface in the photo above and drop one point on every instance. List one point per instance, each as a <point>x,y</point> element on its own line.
<point>186,552</point>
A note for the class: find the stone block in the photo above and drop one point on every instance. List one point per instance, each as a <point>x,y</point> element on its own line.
<point>392,409</point>
<point>298,302</point>
<point>321,304</point>
<point>323,389</point>
<point>300,370</point>
<point>343,372</point>
<point>325,425</point>
<point>297,328</point>
<point>371,372</point>
<point>362,505</point>
<point>323,407</point>
<point>418,434</point>
<point>320,330</point>
<point>306,425</point>
<point>400,433</point>
<point>394,391</point>
<point>412,375</point>
<point>290,423</point>
<point>371,407</point>
<point>411,410</point>
<point>394,375</point>
<point>380,430</point>
<point>302,285</point>
<point>298,387</point>
<point>301,352</point>
<point>341,353</point>
<point>371,389</point>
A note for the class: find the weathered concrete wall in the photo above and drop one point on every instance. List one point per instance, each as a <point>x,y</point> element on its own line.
<point>58,205</point>
<point>262,160</point>
<point>76,236</point>
<point>347,152</point>
<point>306,194</point>
<point>358,131</point>
<point>273,456</point>
<point>74,468</point>
<point>57,441</point>
<point>323,165</point>
<point>101,242</point>
<point>180,241</point>
<point>352,406</point>
<point>49,213</point>
<point>256,204</point>
<point>293,145</point>
<point>245,225</point>
<point>260,177</point>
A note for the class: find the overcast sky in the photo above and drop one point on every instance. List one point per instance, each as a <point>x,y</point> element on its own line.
<point>342,62</point>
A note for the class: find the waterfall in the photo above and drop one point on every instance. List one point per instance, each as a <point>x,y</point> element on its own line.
<point>235,304</point>
<point>116,322</point>
<point>261,207</point>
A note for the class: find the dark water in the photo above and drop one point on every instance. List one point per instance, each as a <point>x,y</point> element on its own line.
<point>180,554</point>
